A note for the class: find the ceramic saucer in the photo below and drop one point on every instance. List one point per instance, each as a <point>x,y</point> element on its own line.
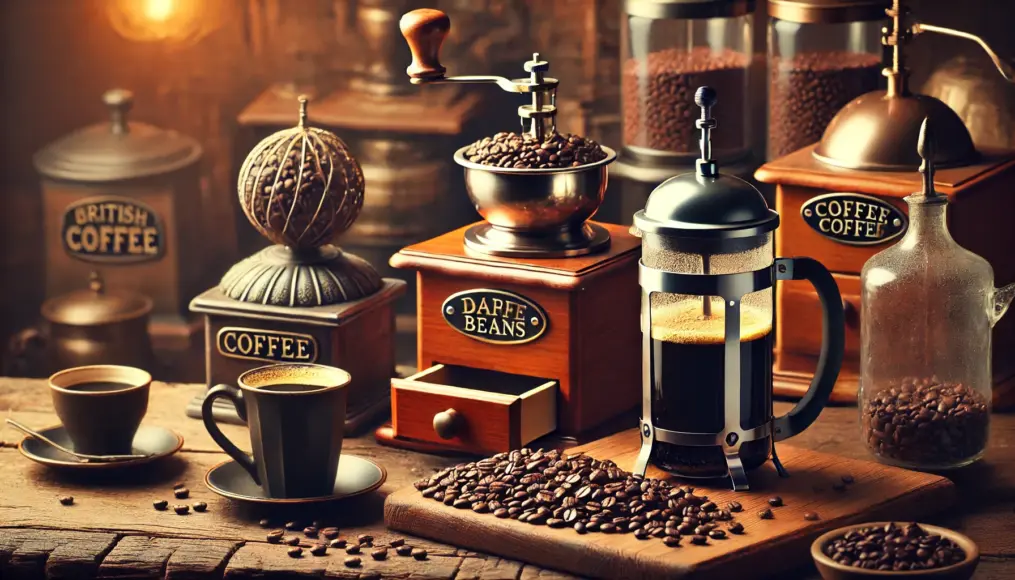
<point>155,442</point>
<point>356,476</point>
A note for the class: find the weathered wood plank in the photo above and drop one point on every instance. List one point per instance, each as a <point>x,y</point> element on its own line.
<point>52,554</point>
<point>166,558</point>
<point>491,568</point>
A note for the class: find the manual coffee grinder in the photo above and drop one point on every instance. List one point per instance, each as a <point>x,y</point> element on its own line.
<point>302,300</point>
<point>842,202</point>
<point>706,274</point>
<point>527,321</point>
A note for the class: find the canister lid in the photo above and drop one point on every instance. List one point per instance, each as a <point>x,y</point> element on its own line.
<point>667,9</point>
<point>706,203</point>
<point>828,11</point>
<point>117,151</point>
<point>95,306</point>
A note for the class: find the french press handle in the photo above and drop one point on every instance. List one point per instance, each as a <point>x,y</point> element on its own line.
<point>833,344</point>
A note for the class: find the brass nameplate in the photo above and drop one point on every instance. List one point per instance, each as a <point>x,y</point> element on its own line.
<point>495,316</point>
<point>266,345</point>
<point>854,219</point>
<point>112,229</point>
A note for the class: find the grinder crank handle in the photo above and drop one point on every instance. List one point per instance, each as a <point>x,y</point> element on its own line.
<point>833,343</point>
<point>425,30</point>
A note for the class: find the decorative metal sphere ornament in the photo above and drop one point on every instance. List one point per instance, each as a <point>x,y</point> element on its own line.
<point>301,188</point>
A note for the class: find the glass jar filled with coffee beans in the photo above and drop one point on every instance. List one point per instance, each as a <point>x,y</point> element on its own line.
<point>822,54</point>
<point>928,306</point>
<point>669,49</point>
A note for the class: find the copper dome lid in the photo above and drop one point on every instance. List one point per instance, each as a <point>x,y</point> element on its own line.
<point>878,131</point>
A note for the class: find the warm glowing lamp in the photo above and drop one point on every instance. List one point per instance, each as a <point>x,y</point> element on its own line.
<point>177,21</point>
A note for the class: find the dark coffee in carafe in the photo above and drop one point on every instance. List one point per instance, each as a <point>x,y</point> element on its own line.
<point>688,351</point>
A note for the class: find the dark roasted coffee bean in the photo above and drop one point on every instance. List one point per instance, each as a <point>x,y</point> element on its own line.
<point>66,500</point>
<point>403,550</point>
<point>200,506</point>
<point>161,505</point>
<point>555,523</point>
<point>181,493</point>
<point>893,547</point>
<point>338,544</point>
<point>775,501</point>
<point>699,540</point>
<point>397,542</point>
<point>735,506</point>
<point>671,541</point>
<point>319,550</point>
<point>353,561</point>
<point>379,554</point>
<point>501,513</point>
<point>580,528</point>
<point>295,552</point>
<point>292,541</point>
<point>181,509</point>
<point>275,537</point>
<point>419,554</point>
<point>641,534</point>
<point>310,532</point>
<point>736,528</point>
<point>352,549</point>
<point>812,516</point>
<point>765,514</point>
<point>329,533</point>
<point>265,523</point>
<point>717,535</point>
<point>365,539</point>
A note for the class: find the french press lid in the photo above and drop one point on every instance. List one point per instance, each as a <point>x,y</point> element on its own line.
<point>706,203</point>
<point>94,306</point>
<point>828,11</point>
<point>685,9</point>
<point>117,150</point>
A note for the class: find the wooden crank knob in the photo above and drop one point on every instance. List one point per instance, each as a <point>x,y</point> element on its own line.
<point>425,30</point>
<point>447,423</point>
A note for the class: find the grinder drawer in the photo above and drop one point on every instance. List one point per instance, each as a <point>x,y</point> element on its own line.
<point>799,323</point>
<point>473,410</point>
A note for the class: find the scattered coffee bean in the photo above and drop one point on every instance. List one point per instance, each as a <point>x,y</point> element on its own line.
<point>291,525</point>
<point>181,510</point>
<point>397,543</point>
<point>292,541</point>
<point>365,539</point>
<point>265,523</point>
<point>642,534</point>
<point>161,505</point>
<point>338,544</point>
<point>419,554</point>
<point>658,98</point>
<point>66,500</point>
<point>926,423</point>
<point>319,550</point>
<point>736,528</point>
<point>379,554</point>
<point>295,552</point>
<point>894,547</point>
<point>275,537</point>
<point>766,514</point>
<point>403,550</point>
<point>812,516</point>
<point>580,528</point>
<point>522,151</point>
<point>848,479</point>
<point>181,493</point>
<point>699,540</point>
<point>672,541</point>
<point>310,532</point>
<point>735,506</point>
<point>200,506</point>
<point>352,549</point>
<point>353,561</point>
<point>329,533</point>
<point>775,501</point>
<point>717,535</point>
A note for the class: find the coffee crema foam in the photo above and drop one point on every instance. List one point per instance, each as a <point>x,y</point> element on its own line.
<point>683,323</point>
<point>309,375</point>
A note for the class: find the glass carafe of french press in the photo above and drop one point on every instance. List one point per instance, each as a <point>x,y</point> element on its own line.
<point>707,271</point>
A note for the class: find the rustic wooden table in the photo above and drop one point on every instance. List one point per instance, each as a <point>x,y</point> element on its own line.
<point>112,531</point>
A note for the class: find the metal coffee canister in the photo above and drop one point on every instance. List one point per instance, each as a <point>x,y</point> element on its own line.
<point>123,198</point>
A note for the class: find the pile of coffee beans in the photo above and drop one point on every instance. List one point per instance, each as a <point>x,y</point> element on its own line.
<point>893,547</point>
<point>926,423</point>
<point>549,488</point>
<point>658,98</point>
<point>807,90</point>
<point>523,151</point>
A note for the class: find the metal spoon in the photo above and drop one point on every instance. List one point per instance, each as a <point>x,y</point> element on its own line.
<point>82,457</point>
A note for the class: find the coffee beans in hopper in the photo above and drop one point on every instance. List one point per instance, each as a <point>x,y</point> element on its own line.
<point>523,151</point>
<point>658,98</point>
<point>807,90</point>
<point>926,422</point>
<point>540,487</point>
<point>894,547</point>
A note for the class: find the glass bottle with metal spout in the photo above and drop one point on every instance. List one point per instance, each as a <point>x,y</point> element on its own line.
<point>928,309</point>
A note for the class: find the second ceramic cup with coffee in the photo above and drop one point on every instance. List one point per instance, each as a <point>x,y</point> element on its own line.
<point>296,416</point>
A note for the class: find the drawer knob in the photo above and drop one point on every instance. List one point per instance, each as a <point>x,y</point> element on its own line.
<point>447,423</point>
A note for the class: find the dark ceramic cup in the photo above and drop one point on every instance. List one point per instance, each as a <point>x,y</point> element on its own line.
<point>296,416</point>
<point>101,406</point>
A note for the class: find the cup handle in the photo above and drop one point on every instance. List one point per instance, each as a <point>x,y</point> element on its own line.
<point>235,396</point>
<point>833,344</point>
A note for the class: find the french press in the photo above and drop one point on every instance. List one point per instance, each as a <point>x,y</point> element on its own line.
<point>706,273</point>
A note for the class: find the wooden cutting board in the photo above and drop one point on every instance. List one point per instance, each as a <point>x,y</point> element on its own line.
<point>767,548</point>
